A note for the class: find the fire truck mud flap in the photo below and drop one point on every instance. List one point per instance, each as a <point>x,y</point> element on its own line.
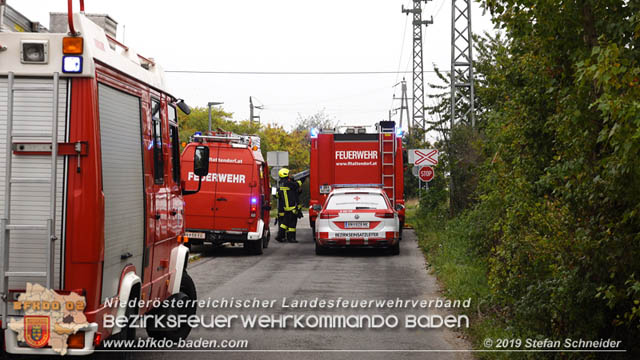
<point>11,344</point>
<point>177,264</point>
<point>259,232</point>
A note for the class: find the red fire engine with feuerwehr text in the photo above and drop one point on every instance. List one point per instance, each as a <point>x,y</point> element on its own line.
<point>352,156</point>
<point>91,196</point>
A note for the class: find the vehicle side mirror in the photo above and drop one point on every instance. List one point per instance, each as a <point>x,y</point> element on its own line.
<point>399,207</point>
<point>201,161</point>
<point>316,207</point>
<point>183,107</point>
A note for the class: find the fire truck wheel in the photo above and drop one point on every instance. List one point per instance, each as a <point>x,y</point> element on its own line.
<point>253,247</point>
<point>267,237</point>
<point>187,292</point>
<point>395,249</point>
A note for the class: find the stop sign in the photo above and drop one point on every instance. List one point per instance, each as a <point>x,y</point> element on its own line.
<point>426,173</point>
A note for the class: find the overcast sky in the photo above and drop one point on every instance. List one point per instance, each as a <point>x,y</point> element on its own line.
<point>279,35</point>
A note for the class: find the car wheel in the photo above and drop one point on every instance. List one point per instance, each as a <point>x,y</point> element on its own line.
<point>253,247</point>
<point>321,250</point>
<point>395,249</point>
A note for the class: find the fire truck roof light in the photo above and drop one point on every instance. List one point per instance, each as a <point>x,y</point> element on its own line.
<point>314,132</point>
<point>72,64</point>
<point>72,45</point>
<point>399,132</point>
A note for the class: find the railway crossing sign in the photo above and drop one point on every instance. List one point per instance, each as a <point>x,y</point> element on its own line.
<point>426,173</point>
<point>419,157</point>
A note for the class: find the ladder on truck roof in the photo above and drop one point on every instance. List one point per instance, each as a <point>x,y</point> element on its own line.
<point>6,226</point>
<point>388,161</point>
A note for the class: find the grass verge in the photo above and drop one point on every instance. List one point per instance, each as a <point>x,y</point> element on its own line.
<point>463,275</point>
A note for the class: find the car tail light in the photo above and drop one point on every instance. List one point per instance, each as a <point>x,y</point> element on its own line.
<point>328,216</point>
<point>254,207</point>
<point>385,215</point>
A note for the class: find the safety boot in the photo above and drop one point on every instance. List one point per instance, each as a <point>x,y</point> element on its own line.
<point>281,235</point>
<point>291,237</point>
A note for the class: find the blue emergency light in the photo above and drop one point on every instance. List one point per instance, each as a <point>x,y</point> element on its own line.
<point>72,64</point>
<point>314,132</point>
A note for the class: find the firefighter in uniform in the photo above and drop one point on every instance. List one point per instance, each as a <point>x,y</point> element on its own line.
<point>288,207</point>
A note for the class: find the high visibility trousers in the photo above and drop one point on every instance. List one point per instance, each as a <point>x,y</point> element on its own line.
<point>282,228</point>
<point>290,222</point>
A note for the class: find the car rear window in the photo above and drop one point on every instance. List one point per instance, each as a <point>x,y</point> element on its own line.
<point>356,201</point>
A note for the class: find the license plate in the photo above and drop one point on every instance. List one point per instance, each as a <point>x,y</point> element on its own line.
<point>356,225</point>
<point>354,234</point>
<point>195,235</point>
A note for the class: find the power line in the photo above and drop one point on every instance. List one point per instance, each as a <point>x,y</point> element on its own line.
<point>292,72</point>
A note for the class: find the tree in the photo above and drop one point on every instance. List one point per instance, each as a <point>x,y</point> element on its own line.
<point>319,120</point>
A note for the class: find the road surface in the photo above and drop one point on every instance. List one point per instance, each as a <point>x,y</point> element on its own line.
<point>294,272</point>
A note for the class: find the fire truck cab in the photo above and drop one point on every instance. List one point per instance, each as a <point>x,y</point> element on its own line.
<point>234,201</point>
<point>354,156</point>
<point>91,196</point>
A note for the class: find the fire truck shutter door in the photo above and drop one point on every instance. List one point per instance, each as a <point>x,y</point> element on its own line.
<point>30,200</point>
<point>122,182</point>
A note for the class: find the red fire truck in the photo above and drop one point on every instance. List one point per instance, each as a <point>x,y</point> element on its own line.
<point>356,157</point>
<point>91,196</point>
<point>234,202</point>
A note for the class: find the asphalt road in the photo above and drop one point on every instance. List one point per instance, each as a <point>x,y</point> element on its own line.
<point>295,272</point>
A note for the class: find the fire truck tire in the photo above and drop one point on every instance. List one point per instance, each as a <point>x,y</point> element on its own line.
<point>187,292</point>
<point>253,247</point>
<point>401,227</point>
<point>395,249</point>
<point>267,237</point>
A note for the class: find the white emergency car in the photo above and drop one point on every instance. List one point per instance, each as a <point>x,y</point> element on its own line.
<point>357,217</point>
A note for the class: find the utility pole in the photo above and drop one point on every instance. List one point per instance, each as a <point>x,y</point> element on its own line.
<point>418,79</point>
<point>251,109</point>
<point>404,104</point>
<point>462,84</point>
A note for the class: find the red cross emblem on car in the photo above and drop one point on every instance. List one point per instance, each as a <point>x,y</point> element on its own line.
<point>357,198</point>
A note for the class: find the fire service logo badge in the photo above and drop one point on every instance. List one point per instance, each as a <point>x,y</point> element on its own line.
<point>36,331</point>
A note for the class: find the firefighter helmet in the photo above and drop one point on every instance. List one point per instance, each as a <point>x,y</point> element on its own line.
<point>283,173</point>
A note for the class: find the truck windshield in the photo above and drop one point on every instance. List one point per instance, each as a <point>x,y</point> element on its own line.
<point>356,201</point>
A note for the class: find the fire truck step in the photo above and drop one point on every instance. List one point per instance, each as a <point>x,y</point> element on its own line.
<point>32,134</point>
<point>27,227</point>
<point>30,181</point>
<point>25,274</point>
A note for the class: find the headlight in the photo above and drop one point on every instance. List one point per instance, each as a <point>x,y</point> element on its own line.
<point>34,52</point>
